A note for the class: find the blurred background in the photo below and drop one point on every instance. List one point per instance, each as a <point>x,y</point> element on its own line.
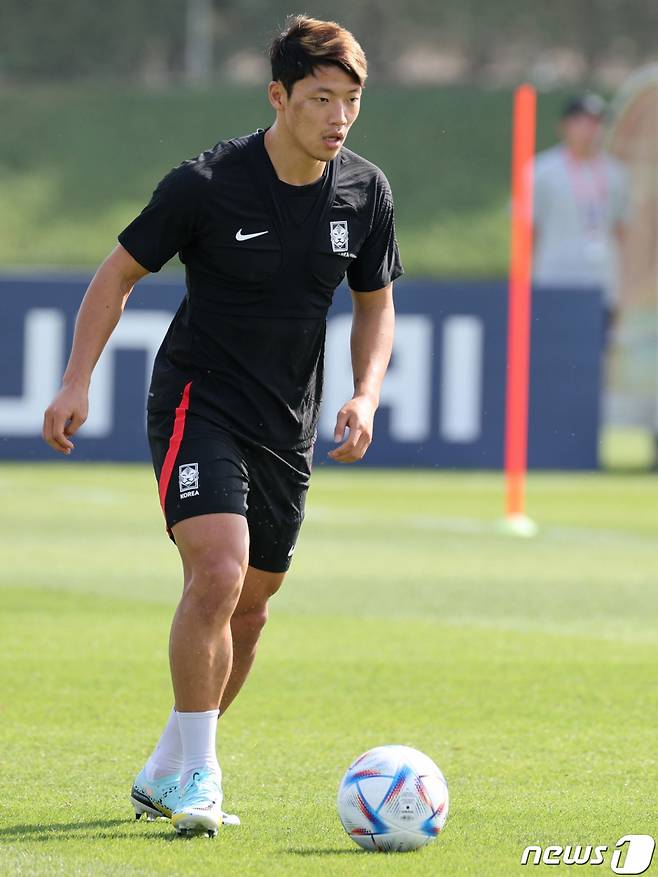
<point>525,668</point>
<point>99,101</point>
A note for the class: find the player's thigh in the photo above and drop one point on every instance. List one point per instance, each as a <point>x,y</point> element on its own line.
<point>214,550</point>
<point>278,484</point>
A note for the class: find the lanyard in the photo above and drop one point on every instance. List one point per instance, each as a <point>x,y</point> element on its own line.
<point>590,191</point>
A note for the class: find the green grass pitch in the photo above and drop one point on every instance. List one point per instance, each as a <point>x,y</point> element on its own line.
<point>525,668</point>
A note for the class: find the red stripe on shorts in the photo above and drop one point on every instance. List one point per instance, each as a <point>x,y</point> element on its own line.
<point>174,444</point>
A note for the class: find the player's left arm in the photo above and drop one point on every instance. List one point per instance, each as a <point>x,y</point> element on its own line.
<point>371,341</point>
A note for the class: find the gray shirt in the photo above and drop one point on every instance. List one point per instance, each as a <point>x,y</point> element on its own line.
<point>577,205</point>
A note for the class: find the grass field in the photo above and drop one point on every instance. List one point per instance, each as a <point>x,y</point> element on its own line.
<point>78,163</point>
<point>526,669</point>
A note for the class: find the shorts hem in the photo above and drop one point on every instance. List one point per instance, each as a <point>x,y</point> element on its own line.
<point>201,514</point>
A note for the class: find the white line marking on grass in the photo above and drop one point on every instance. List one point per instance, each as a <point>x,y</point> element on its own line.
<point>473,526</point>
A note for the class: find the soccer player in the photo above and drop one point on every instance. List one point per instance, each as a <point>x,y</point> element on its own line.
<point>267,226</point>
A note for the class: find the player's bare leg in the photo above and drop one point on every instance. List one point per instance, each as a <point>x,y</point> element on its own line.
<point>248,620</point>
<point>202,619</point>
<point>214,550</point>
<point>155,791</point>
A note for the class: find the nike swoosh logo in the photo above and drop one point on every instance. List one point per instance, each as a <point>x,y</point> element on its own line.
<point>245,237</point>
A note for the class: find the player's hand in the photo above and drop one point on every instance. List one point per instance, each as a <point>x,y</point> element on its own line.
<point>356,416</point>
<point>64,417</point>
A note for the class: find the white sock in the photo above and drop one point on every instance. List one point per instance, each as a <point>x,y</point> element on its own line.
<point>167,757</point>
<point>198,732</point>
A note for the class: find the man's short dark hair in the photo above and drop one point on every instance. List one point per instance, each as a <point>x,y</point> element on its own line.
<point>306,43</point>
<point>587,104</point>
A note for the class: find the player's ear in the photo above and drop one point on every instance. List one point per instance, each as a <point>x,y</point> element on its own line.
<point>277,95</point>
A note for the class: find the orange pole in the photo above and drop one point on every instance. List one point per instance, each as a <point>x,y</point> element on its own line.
<point>518,331</point>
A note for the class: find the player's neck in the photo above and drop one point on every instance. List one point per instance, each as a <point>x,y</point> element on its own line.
<point>582,153</point>
<point>291,164</point>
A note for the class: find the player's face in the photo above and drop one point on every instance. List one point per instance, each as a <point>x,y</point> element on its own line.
<point>320,111</point>
<point>582,133</point>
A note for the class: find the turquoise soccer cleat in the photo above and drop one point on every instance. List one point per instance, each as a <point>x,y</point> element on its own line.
<point>199,809</point>
<point>156,798</point>
<point>159,798</point>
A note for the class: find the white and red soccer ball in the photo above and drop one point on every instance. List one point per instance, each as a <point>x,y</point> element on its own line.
<point>393,799</point>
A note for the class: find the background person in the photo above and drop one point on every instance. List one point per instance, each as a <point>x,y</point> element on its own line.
<point>580,208</point>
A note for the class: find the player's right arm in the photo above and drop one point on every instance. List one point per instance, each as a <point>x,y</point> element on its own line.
<point>99,313</point>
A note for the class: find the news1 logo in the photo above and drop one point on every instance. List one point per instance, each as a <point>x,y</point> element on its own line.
<point>632,854</point>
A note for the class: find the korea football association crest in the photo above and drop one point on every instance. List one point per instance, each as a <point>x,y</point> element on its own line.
<point>339,236</point>
<point>188,480</point>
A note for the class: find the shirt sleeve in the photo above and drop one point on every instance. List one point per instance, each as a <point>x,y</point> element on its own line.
<point>378,261</point>
<point>168,222</point>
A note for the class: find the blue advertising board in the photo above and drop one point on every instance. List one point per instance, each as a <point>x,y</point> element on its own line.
<point>442,402</point>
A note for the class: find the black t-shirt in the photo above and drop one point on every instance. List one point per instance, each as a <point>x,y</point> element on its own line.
<point>299,200</point>
<point>262,260</point>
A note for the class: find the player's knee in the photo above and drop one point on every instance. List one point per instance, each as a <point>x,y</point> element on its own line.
<point>249,622</point>
<point>214,585</point>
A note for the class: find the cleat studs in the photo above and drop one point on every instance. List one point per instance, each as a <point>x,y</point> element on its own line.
<point>137,815</point>
<point>195,832</point>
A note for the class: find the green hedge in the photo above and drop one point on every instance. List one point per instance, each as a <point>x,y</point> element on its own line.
<point>77,164</point>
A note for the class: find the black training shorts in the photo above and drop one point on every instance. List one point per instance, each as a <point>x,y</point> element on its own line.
<point>203,468</point>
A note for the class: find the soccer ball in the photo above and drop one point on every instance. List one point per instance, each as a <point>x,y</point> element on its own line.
<point>393,799</point>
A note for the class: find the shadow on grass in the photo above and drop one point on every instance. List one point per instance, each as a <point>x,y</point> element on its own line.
<point>323,851</point>
<point>105,829</point>
<point>99,829</point>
